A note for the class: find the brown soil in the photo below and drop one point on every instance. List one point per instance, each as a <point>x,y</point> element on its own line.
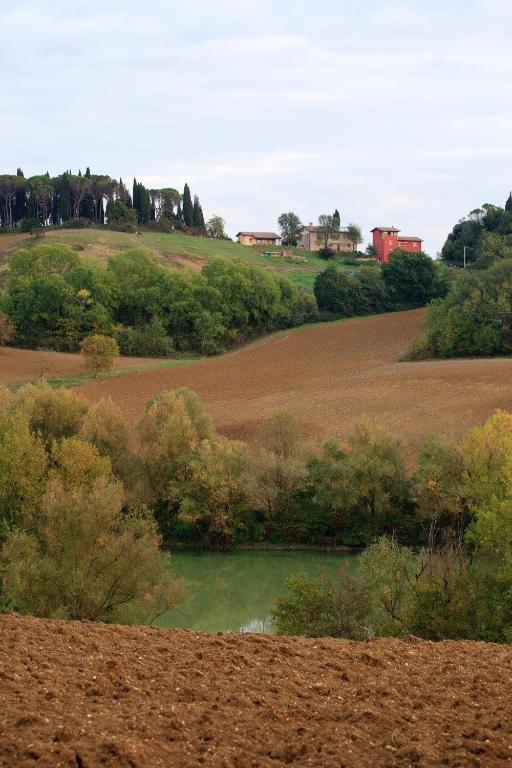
<point>190,262</point>
<point>87,695</point>
<point>330,377</point>
<point>18,365</point>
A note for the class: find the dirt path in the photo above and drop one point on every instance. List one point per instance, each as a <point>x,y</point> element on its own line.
<point>329,377</point>
<point>87,695</point>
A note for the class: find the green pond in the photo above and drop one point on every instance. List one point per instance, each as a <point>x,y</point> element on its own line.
<point>235,591</point>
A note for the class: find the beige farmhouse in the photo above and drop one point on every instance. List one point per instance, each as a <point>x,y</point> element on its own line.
<point>258,238</point>
<point>313,238</point>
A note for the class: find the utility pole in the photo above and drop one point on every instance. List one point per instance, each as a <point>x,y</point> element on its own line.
<point>464,257</point>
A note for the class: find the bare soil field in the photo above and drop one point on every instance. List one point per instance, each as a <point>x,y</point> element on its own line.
<point>330,377</point>
<point>18,365</point>
<point>84,695</point>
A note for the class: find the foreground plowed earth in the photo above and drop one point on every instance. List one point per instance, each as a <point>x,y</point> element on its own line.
<point>330,377</point>
<point>92,695</point>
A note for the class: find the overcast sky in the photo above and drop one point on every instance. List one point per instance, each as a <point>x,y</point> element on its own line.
<point>394,113</point>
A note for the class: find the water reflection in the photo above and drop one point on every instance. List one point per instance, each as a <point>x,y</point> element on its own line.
<point>235,591</point>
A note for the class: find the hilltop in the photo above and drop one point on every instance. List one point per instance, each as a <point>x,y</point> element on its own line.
<point>84,694</point>
<point>177,250</point>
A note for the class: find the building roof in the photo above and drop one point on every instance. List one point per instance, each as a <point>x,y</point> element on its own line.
<point>411,237</point>
<point>261,235</point>
<point>387,229</point>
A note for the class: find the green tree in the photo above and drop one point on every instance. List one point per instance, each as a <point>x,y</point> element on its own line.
<point>7,329</point>
<point>197,214</point>
<point>410,279</point>
<point>99,352</point>
<point>23,467</point>
<point>83,557</point>
<point>337,293</point>
<point>119,213</point>
<point>188,208</point>
<point>169,433</point>
<point>213,494</point>
<point>354,235</point>
<point>280,471</point>
<point>291,227</point>
<point>314,607</point>
<point>328,226</point>
<point>216,228</point>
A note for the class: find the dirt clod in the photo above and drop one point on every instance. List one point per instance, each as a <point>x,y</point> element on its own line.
<point>258,702</point>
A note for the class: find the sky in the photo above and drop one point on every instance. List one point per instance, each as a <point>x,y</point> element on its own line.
<point>396,113</point>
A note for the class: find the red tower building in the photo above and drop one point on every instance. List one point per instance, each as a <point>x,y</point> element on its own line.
<point>386,240</point>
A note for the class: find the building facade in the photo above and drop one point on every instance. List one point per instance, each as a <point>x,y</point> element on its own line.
<point>386,240</point>
<point>314,238</point>
<point>258,238</point>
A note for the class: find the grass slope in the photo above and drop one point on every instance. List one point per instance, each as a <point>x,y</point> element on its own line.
<point>178,250</point>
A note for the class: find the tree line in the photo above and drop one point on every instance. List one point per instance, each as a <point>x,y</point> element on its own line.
<point>457,585</point>
<point>407,281</point>
<point>86,500</point>
<point>82,199</point>
<point>54,300</point>
<point>474,317</point>
<point>480,238</point>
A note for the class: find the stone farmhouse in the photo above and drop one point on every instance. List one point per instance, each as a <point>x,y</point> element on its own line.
<point>258,238</point>
<point>312,238</point>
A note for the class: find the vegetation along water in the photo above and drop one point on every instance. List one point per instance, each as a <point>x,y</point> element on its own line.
<point>236,591</point>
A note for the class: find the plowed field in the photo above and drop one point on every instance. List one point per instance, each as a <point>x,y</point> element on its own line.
<point>329,377</point>
<point>88,695</point>
<point>18,365</point>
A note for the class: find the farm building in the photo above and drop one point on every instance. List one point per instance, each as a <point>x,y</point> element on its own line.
<point>258,238</point>
<point>313,238</point>
<point>386,240</point>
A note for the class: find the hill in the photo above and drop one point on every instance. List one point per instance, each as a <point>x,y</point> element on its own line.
<point>329,377</point>
<point>88,694</point>
<point>179,250</point>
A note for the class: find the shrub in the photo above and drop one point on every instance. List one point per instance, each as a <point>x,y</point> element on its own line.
<point>83,557</point>
<point>7,329</point>
<point>315,607</point>
<point>99,352</point>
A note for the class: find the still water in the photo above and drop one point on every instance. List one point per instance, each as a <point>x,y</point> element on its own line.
<point>235,591</point>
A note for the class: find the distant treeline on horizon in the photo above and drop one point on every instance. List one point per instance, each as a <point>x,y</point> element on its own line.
<point>97,198</point>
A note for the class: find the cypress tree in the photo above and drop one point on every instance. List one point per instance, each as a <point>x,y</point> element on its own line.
<point>336,219</point>
<point>145,205</point>
<point>136,195</point>
<point>197,214</point>
<point>87,173</point>
<point>188,208</point>
<point>508,204</point>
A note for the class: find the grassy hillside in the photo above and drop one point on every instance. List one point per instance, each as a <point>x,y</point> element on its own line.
<point>177,249</point>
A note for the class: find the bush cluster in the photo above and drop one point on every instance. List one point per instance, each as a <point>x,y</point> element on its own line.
<point>458,585</point>
<point>407,281</point>
<point>474,318</point>
<point>54,300</point>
